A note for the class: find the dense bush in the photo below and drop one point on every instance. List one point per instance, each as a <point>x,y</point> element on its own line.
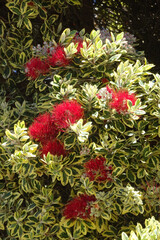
<point>151,231</point>
<point>22,24</point>
<point>88,165</point>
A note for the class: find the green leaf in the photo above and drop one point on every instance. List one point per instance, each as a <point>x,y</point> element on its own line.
<point>118,208</point>
<point>2,28</point>
<point>33,219</point>
<point>131,176</point>
<point>28,43</point>
<point>139,112</point>
<point>153,162</point>
<point>100,224</point>
<point>124,236</point>
<point>120,126</point>
<point>83,228</point>
<point>7,195</point>
<point>14,228</point>
<point>75,171</point>
<point>25,185</point>
<point>109,233</point>
<point>106,216</point>
<point>15,10</point>
<point>1,225</point>
<point>7,72</point>
<point>10,135</point>
<point>120,36</point>
<point>68,223</point>
<point>115,58</point>
<point>77,234</point>
<point>108,184</point>
<point>90,224</point>
<point>54,228</point>
<point>64,178</point>
<point>106,114</point>
<point>23,7</point>
<point>42,13</point>
<point>129,104</point>
<point>141,209</point>
<point>27,23</point>
<point>62,38</point>
<point>141,172</point>
<point>127,121</point>
<point>101,68</point>
<point>69,141</point>
<point>118,171</point>
<point>22,57</point>
<point>19,203</point>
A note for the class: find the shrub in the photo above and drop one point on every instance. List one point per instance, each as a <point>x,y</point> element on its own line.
<point>22,24</point>
<point>88,165</point>
<point>151,231</point>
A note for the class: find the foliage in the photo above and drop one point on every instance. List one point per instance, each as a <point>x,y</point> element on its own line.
<point>11,111</point>
<point>150,232</point>
<point>106,177</point>
<point>139,17</point>
<point>23,23</point>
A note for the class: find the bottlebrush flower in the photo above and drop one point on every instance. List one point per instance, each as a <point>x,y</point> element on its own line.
<point>43,129</point>
<point>79,207</point>
<point>30,3</point>
<point>104,80</point>
<point>54,147</point>
<point>97,170</point>
<point>66,113</point>
<point>58,57</point>
<point>78,41</point>
<point>105,93</point>
<point>119,100</point>
<point>35,67</point>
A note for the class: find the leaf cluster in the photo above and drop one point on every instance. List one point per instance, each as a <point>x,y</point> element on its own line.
<point>35,189</point>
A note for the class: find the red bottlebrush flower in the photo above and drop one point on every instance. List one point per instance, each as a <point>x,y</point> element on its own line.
<point>54,147</point>
<point>43,129</point>
<point>104,80</point>
<point>119,100</point>
<point>30,3</point>
<point>109,89</point>
<point>105,93</point>
<point>79,207</point>
<point>35,67</point>
<point>97,170</point>
<point>78,41</point>
<point>80,45</point>
<point>58,57</point>
<point>66,113</point>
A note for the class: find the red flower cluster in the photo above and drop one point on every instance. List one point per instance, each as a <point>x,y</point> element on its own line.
<point>43,129</point>
<point>46,127</point>
<point>109,89</point>
<point>97,170</point>
<point>54,147</point>
<point>79,207</point>
<point>116,99</point>
<point>58,57</point>
<point>35,67</point>
<point>66,113</point>
<point>119,100</point>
